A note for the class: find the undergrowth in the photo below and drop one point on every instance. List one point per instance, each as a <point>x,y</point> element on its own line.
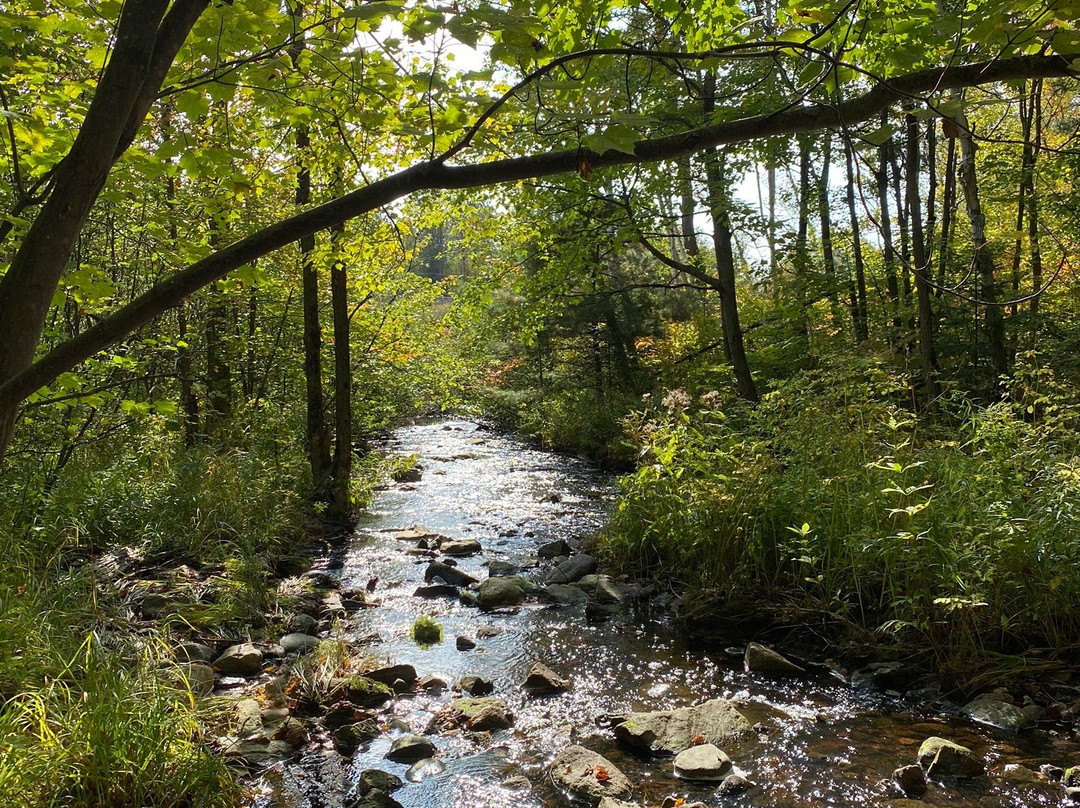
<point>954,532</point>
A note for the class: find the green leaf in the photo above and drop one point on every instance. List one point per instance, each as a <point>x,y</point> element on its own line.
<point>619,137</point>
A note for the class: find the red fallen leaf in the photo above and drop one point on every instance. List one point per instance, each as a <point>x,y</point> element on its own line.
<point>602,775</point>
<point>679,802</point>
<point>698,739</point>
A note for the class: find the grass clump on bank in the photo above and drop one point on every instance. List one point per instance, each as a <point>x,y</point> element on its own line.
<point>831,497</point>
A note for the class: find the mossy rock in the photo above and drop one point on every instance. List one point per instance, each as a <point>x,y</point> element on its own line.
<point>360,690</point>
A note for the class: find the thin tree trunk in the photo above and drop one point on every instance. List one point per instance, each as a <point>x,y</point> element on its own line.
<point>250,369</point>
<point>686,192</point>
<point>983,257</point>
<point>859,310</point>
<point>189,402</point>
<point>888,249</point>
<point>825,213</point>
<point>927,350</point>
<point>948,210</point>
<point>774,263</point>
<point>341,493</point>
<point>725,261</point>
<point>1033,201</point>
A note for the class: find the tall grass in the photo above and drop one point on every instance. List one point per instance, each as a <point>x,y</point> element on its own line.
<point>831,496</point>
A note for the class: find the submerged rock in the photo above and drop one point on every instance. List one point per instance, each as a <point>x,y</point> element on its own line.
<point>436,591</point>
<point>350,737</point>
<point>428,767</point>
<point>943,758</point>
<point>668,732</point>
<point>585,773</point>
<point>704,762</point>
<point>464,643</point>
<point>563,594</point>
<point>543,681</point>
<point>762,659</point>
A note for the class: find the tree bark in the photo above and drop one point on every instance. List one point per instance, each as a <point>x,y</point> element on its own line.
<point>341,471</point>
<point>686,193</point>
<point>888,249</point>
<point>825,214</point>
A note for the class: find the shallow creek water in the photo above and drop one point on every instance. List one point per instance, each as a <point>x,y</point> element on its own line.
<point>829,744</point>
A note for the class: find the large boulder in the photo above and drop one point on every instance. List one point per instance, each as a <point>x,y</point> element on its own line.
<point>588,775</point>
<point>500,593</point>
<point>762,659</point>
<point>240,660</point>
<point>448,574</point>
<point>554,549</point>
<point>668,732</point>
<point>943,758</point>
<point>572,569</point>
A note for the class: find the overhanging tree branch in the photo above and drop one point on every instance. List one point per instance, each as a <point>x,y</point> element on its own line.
<point>437,175</point>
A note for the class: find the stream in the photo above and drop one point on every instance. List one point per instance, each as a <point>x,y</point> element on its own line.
<point>828,743</point>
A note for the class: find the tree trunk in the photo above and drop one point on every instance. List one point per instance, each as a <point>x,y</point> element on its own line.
<point>983,258</point>
<point>725,260</point>
<point>774,262</point>
<point>825,214</point>
<point>1032,149</point>
<point>686,192</point>
<point>859,310</point>
<point>948,211</point>
<point>888,249</point>
<point>341,473</point>
<point>927,350</point>
<point>189,402</point>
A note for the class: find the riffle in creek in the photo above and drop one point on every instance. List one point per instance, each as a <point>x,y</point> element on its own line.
<point>818,739</point>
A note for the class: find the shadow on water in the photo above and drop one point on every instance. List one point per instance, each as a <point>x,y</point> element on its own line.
<point>827,744</point>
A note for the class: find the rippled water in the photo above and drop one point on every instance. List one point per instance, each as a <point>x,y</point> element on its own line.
<point>830,745</point>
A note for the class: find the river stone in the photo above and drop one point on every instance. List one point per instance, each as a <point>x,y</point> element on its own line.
<point>611,802</point>
<point>360,690</point>
<point>498,593</point>
<point>302,623</point>
<point>154,605</point>
<point>247,717</point>
<point>575,768</point>
<point>498,568</point>
<point>762,659</point>
<point>943,758</point>
<point>464,643</point>
<point>1072,794</point>
<point>563,594</point>
<point>607,591</point>
<point>487,632</point>
<point>543,681</point>
<point>297,643</point>
<point>996,713</point>
<point>259,751</point>
<point>475,685</point>
<point>419,533</point>
<point>1070,778</point>
<point>668,732</point>
<point>436,591</point>
<point>293,732</point>
<point>194,652</point>
<point>410,748</point>
<point>704,762</point>
<point>572,569</point>
<point>428,767</point>
<point>734,784</point>
<point>554,548</point>
<point>393,674</point>
<point>374,799</point>
<point>450,575</point>
<point>460,547</point>
<point>911,779</point>
<point>199,676</point>
<point>350,737</point>
<point>375,779</point>
<point>483,714</point>
<point>432,684</point>
<point>240,660</point>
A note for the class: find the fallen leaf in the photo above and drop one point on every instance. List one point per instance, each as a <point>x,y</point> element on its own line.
<point>602,775</point>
